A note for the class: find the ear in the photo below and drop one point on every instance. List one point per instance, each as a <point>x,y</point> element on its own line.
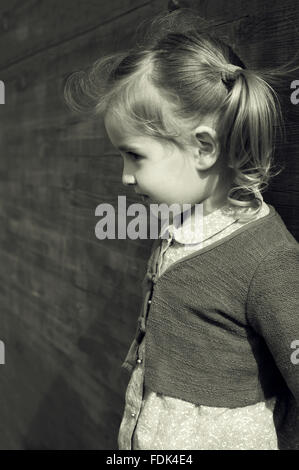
<point>207,147</point>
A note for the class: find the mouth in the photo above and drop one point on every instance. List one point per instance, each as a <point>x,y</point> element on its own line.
<point>144,197</point>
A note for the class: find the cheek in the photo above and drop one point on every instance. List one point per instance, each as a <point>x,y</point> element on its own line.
<point>179,176</point>
<point>170,171</point>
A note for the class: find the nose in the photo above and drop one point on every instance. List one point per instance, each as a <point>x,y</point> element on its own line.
<point>128,180</point>
<point>128,177</point>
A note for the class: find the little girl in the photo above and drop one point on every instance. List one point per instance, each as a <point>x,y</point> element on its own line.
<point>212,364</point>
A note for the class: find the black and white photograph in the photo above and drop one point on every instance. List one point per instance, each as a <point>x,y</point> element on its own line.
<point>149,280</point>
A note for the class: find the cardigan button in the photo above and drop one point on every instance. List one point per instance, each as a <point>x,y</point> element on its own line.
<point>133,415</point>
<point>149,302</point>
<point>139,361</point>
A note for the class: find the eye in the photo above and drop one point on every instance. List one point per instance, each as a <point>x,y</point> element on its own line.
<point>135,155</point>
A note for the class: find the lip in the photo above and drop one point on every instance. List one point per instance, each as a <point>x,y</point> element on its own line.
<point>145,198</point>
<point>142,195</point>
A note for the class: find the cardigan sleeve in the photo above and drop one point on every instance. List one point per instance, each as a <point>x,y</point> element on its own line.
<point>273,311</point>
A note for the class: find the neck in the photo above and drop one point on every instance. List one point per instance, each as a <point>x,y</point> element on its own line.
<point>219,191</point>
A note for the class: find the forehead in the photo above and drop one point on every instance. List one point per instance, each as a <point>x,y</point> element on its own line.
<point>113,125</point>
<point>120,136</point>
<point>117,131</point>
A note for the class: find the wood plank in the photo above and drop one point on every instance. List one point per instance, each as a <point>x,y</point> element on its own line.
<point>33,27</point>
<point>63,380</point>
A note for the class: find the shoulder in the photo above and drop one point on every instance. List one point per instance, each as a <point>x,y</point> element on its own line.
<point>280,258</point>
<point>273,292</point>
<point>271,230</point>
<point>280,265</point>
<point>264,237</point>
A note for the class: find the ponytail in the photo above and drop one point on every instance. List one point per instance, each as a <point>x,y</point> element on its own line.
<point>248,123</point>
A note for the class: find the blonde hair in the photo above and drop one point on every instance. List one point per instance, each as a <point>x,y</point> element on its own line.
<point>178,74</point>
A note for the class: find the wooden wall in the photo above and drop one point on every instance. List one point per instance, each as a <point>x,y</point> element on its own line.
<point>69,302</point>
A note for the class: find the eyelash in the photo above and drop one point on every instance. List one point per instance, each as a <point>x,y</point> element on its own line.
<point>135,155</point>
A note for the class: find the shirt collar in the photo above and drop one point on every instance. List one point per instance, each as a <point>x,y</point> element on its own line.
<point>207,226</point>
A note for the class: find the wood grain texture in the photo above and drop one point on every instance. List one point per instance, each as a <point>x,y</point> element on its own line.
<point>69,302</point>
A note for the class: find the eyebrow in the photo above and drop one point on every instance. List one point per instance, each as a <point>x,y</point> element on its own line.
<point>126,148</point>
<point>132,149</point>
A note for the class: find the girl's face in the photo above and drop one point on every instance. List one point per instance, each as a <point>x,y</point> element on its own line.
<point>157,169</point>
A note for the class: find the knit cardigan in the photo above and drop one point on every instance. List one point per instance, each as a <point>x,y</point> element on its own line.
<point>221,321</point>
